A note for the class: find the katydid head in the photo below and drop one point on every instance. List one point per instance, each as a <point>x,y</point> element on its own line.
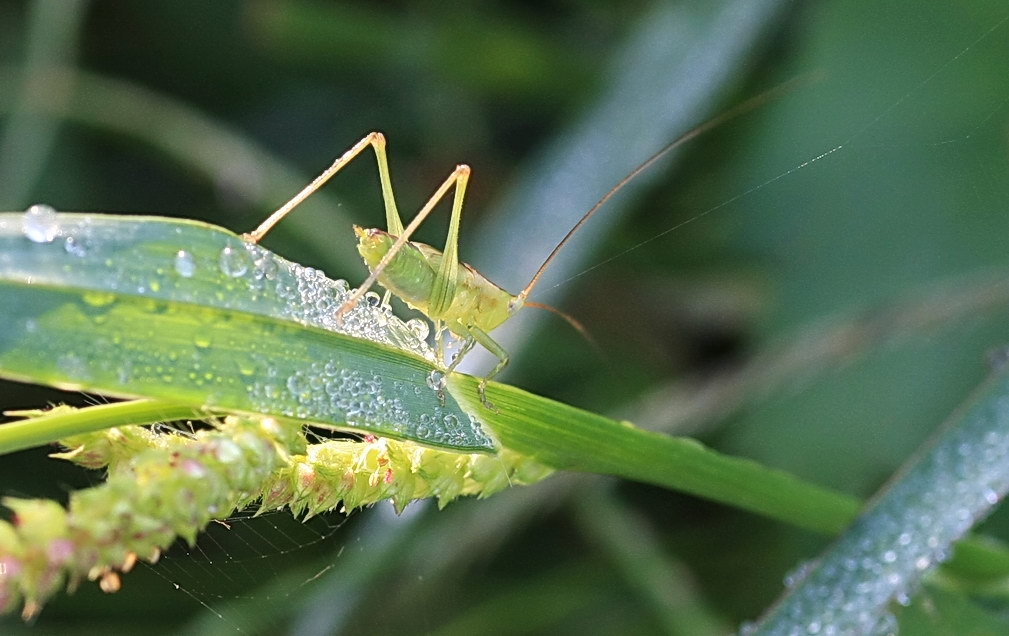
<point>515,304</point>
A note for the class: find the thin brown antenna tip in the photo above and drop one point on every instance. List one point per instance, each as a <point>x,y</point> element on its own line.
<point>568,318</point>
<point>723,117</point>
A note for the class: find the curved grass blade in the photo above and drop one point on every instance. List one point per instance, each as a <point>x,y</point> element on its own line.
<point>189,313</point>
<point>44,427</point>
<point>568,438</point>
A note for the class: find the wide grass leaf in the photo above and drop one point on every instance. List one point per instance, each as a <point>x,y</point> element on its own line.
<point>188,312</point>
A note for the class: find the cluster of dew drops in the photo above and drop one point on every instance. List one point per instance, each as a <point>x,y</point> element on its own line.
<point>910,529</point>
<point>303,294</point>
<point>368,401</point>
<point>41,224</point>
<point>308,297</point>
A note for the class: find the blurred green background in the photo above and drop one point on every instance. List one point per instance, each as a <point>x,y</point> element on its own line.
<point>831,298</point>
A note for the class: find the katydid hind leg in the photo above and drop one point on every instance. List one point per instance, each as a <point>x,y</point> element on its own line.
<point>447,277</point>
<point>458,178</point>
<point>377,141</point>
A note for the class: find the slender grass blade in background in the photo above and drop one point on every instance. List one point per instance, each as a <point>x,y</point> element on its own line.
<point>241,169</point>
<point>908,529</point>
<point>28,136</point>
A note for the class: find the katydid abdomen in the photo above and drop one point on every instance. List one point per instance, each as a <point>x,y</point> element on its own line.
<point>411,275</point>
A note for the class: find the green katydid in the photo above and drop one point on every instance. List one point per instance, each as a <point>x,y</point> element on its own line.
<point>453,295</point>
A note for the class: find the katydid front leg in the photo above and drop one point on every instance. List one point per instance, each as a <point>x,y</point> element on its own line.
<point>488,343</point>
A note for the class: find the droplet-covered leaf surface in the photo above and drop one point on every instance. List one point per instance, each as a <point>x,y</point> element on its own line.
<point>181,310</point>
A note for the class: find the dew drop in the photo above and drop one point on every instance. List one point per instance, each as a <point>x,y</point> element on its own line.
<point>265,267</point>
<point>436,380</point>
<point>40,225</point>
<point>324,305</point>
<point>797,575</point>
<point>296,384</point>
<point>419,327</point>
<point>75,247</point>
<point>373,299</point>
<point>185,266</point>
<point>234,262</point>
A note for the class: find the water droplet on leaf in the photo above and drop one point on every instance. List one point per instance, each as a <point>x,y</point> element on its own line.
<point>419,327</point>
<point>436,380</point>
<point>234,262</point>
<point>185,266</point>
<point>40,224</point>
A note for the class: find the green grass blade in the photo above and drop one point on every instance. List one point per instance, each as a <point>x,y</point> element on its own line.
<point>186,312</point>
<point>60,423</point>
<point>568,438</point>
<point>909,528</point>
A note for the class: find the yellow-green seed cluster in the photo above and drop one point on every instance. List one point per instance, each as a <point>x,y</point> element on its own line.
<point>358,474</point>
<point>159,487</point>
<point>167,485</point>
